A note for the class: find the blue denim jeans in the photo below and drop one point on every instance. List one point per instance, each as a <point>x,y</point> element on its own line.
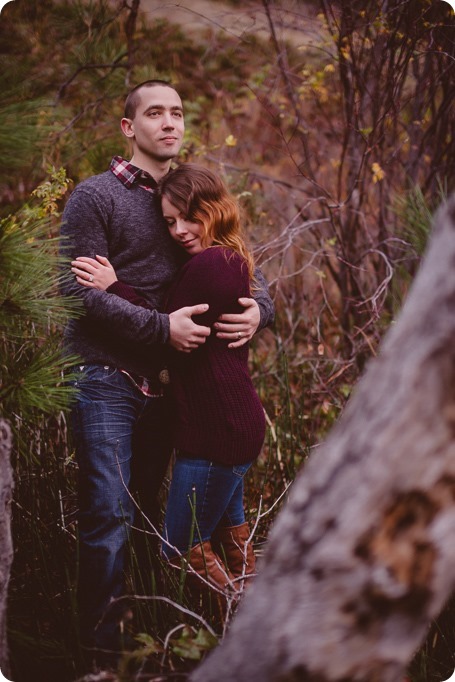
<point>203,495</point>
<point>122,441</point>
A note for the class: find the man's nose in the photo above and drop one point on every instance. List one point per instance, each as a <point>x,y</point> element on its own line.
<point>168,121</point>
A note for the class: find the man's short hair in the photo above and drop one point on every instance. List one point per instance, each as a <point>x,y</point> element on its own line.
<point>132,99</point>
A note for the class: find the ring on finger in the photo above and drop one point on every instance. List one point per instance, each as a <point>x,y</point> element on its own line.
<point>239,335</point>
<point>90,279</point>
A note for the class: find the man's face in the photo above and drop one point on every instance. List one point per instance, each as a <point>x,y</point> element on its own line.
<point>158,126</point>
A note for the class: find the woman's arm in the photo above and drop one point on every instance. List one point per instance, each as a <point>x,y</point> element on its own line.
<point>100,274</point>
<point>184,334</point>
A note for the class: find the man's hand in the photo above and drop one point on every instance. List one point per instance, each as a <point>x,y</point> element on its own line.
<point>239,328</point>
<point>184,334</point>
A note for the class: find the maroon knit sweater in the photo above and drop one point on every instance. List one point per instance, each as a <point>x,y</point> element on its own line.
<point>218,414</point>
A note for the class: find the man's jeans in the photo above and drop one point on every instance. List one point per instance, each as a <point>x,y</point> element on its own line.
<point>203,495</point>
<point>118,433</point>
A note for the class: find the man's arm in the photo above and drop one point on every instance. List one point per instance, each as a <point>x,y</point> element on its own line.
<point>265,303</point>
<point>84,232</point>
<point>184,335</point>
<point>259,313</point>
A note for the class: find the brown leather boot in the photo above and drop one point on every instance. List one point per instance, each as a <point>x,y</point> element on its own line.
<point>207,564</point>
<point>232,544</point>
<point>207,577</point>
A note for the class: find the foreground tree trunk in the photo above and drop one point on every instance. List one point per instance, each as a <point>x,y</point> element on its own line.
<point>6,545</point>
<point>361,558</point>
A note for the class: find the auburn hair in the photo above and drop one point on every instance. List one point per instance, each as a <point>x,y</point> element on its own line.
<point>202,197</point>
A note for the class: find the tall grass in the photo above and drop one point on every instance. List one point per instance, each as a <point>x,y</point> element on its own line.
<point>42,621</point>
<point>301,401</point>
<point>42,628</point>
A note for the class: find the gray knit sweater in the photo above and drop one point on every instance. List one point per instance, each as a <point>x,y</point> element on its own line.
<point>104,217</point>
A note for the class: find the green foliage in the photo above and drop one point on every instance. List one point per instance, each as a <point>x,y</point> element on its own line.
<point>23,133</point>
<point>147,648</point>
<point>416,216</point>
<point>32,312</point>
<point>192,644</point>
<point>32,395</point>
<point>50,192</point>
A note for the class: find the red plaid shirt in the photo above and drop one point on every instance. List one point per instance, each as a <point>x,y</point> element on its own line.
<point>143,385</point>
<point>129,174</point>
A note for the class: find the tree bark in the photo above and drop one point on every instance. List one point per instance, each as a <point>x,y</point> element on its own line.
<point>361,558</point>
<point>6,544</point>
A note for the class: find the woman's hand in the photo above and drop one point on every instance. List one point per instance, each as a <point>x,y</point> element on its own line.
<point>97,274</point>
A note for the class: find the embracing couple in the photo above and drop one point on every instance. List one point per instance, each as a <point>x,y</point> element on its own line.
<point>171,298</point>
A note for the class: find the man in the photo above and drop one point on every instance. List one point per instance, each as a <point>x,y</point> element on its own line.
<point>120,422</point>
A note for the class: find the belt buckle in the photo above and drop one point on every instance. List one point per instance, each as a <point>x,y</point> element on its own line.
<point>163,377</point>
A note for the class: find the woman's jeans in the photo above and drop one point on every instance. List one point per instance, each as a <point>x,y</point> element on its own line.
<point>203,495</point>
<point>119,433</point>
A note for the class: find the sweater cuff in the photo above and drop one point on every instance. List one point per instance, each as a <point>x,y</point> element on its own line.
<point>165,328</point>
<point>119,289</point>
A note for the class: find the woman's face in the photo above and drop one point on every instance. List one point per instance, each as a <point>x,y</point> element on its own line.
<point>187,234</point>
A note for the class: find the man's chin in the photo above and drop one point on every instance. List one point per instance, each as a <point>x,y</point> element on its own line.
<point>168,154</point>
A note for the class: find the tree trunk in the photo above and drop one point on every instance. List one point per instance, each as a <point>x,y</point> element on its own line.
<point>361,558</point>
<point>6,545</point>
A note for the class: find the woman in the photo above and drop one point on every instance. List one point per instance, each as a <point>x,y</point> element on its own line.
<point>219,421</point>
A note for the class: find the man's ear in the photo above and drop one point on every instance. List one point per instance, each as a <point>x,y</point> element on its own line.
<point>127,126</point>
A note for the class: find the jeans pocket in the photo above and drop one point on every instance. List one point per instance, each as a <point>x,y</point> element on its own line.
<point>241,469</point>
<point>93,373</point>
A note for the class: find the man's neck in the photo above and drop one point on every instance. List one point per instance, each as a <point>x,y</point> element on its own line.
<point>156,168</point>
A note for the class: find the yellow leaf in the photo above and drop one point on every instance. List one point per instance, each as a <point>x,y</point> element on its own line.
<point>345,51</point>
<point>378,173</point>
<point>231,141</point>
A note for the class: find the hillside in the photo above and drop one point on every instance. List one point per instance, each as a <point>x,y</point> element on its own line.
<point>296,20</point>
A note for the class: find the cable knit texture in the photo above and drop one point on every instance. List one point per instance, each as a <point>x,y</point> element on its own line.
<point>218,412</point>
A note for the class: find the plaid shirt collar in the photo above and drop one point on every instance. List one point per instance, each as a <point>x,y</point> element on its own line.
<point>130,175</point>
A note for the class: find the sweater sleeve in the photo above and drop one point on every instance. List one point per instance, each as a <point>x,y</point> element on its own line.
<point>128,293</point>
<point>262,298</point>
<point>85,232</point>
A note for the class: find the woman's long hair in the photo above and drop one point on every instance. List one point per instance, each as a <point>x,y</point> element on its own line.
<point>202,197</point>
